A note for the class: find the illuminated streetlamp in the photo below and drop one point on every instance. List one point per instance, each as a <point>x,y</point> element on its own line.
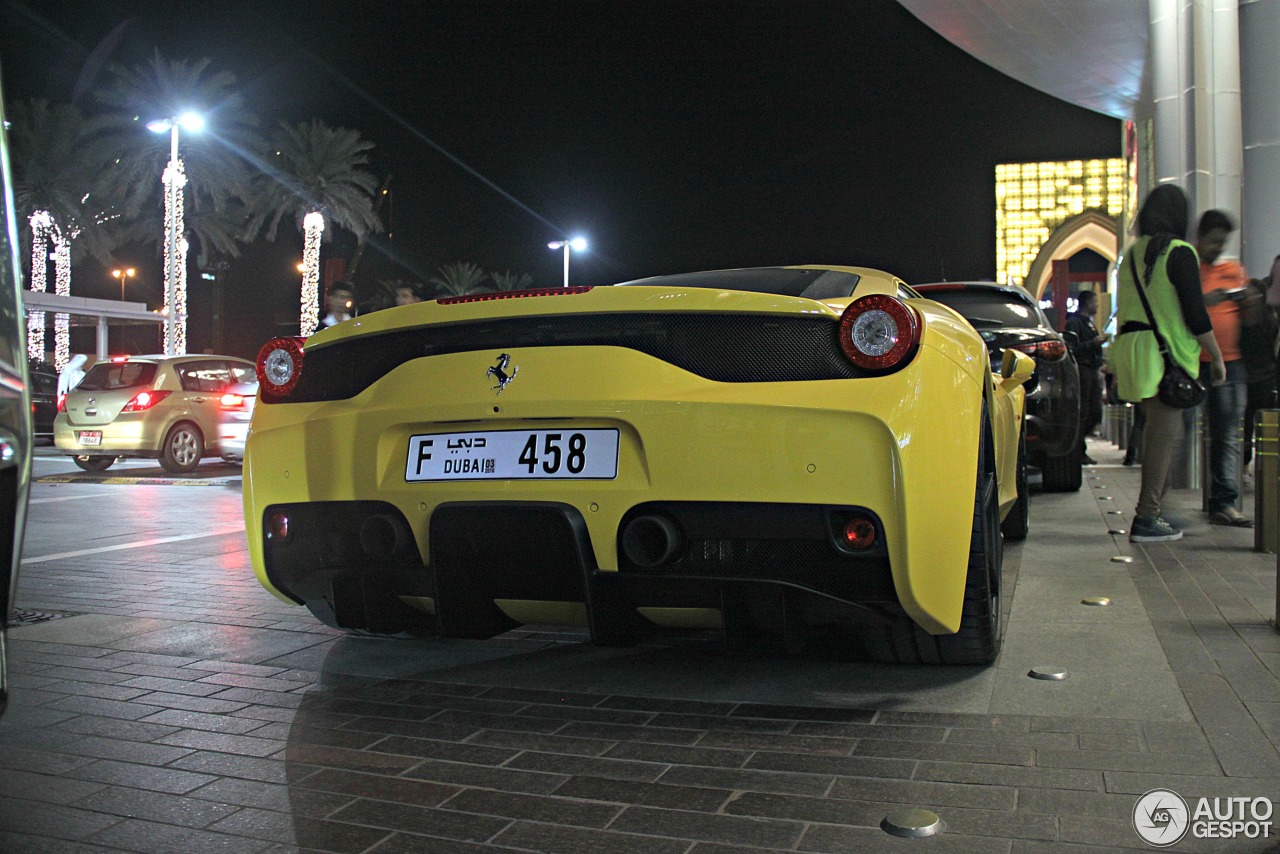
<point>577,244</point>
<point>127,273</point>
<point>175,245</point>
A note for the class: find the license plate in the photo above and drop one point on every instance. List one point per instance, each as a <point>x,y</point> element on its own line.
<point>89,437</point>
<point>514,455</point>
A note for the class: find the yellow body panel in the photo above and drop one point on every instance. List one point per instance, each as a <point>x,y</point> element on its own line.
<point>903,445</point>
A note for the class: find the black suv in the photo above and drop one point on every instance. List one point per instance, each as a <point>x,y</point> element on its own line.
<point>1008,317</point>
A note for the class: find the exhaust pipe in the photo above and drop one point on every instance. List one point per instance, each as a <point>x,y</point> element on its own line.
<point>649,541</point>
<point>385,537</point>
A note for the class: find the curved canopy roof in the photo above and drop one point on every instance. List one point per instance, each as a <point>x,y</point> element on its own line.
<point>1088,52</point>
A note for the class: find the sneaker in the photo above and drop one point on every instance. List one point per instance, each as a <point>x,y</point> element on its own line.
<point>1230,516</point>
<point>1152,529</point>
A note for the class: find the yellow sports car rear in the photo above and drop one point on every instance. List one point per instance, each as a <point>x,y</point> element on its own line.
<point>797,450</point>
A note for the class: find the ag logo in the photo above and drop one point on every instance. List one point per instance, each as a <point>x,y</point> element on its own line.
<point>1161,817</point>
<point>499,372</point>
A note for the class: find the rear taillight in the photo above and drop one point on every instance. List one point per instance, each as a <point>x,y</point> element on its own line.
<point>879,332</point>
<point>144,400</point>
<point>231,401</point>
<point>62,403</point>
<point>279,367</point>
<point>1050,351</point>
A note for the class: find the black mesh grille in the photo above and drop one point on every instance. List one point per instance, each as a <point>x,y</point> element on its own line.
<point>730,348</point>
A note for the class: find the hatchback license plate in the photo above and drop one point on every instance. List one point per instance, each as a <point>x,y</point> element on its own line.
<point>513,455</point>
<point>89,437</point>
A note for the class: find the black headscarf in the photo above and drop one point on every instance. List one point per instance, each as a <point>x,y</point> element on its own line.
<point>1163,218</point>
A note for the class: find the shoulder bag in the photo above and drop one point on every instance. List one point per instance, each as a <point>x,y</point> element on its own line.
<point>1177,387</point>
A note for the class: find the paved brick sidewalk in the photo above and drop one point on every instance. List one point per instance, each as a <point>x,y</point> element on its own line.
<point>187,710</point>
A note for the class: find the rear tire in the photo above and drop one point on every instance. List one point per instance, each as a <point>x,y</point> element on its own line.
<point>981,629</point>
<point>1064,473</point>
<point>183,448</point>
<point>1017,522</point>
<point>94,463</point>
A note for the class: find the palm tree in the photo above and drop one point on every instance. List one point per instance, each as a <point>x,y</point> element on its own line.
<point>510,281</point>
<point>315,176</point>
<point>212,173</point>
<point>459,278</point>
<point>58,161</point>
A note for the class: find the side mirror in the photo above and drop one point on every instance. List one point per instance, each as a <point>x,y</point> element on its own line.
<point>1015,369</point>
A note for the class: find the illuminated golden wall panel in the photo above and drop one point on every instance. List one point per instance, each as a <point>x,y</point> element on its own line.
<point>1032,199</point>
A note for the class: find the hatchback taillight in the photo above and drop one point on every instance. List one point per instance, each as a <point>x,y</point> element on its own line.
<point>233,402</point>
<point>62,403</point>
<point>279,367</point>
<point>879,332</point>
<point>1050,351</point>
<point>144,400</point>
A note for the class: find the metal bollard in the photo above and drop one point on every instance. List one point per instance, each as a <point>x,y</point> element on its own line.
<point>1266,482</point>
<point>1185,471</point>
<point>1124,425</point>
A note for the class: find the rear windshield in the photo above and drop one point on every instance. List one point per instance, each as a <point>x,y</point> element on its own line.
<point>810,284</point>
<point>105,376</point>
<point>987,308</point>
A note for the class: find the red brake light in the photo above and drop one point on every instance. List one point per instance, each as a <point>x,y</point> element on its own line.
<point>232,401</point>
<point>62,403</point>
<point>536,292</point>
<point>279,367</point>
<point>119,358</point>
<point>1050,351</point>
<point>144,400</point>
<point>879,332</point>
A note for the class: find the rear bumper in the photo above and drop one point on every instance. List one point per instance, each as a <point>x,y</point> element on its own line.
<point>356,565</point>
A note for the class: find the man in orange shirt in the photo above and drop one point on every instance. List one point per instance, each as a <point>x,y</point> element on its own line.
<point>1224,284</point>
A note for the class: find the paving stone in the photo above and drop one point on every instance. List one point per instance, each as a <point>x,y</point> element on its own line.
<point>52,820</point>
<point>45,787</point>
<point>293,799</point>
<point>473,754</point>
<point>766,832</point>
<point>338,837</point>
<point>846,766</point>
<point>629,792</point>
<point>505,779</point>
<point>127,751</point>
<point>671,754</point>
<point>666,704</point>
<point>351,784</point>
<point>923,793</point>
<point>614,769</point>
<point>527,836</point>
<point>886,732</point>
<point>248,767</point>
<point>148,777</point>
<point>426,820</point>
<point>855,840</point>
<point>1171,763</point>
<point>778,743</point>
<point>30,844</point>
<point>712,723</point>
<point>175,719</point>
<point>753,781</point>
<point>156,806</point>
<point>1004,775</point>
<point>547,809</point>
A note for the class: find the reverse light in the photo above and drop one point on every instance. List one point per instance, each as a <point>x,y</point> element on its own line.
<point>535,292</point>
<point>1050,351</point>
<point>879,332</point>
<point>279,367</point>
<point>144,400</point>
<point>859,533</point>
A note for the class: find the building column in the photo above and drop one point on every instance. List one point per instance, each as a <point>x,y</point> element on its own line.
<point>1260,81</point>
<point>1195,62</point>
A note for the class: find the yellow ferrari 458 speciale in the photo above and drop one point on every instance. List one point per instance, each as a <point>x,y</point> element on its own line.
<point>800,450</point>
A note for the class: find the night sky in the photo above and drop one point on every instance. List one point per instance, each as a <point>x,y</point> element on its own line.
<point>676,136</point>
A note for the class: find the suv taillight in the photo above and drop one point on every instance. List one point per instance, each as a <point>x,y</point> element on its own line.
<point>144,400</point>
<point>279,367</point>
<point>879,332</point>
<point>1050,351</point>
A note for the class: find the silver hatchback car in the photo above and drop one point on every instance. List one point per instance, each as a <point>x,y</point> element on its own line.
<point>161,407</point>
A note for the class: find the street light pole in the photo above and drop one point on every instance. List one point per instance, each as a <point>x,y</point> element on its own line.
<point>577,244</point>
<point>122,275</point>
<point>175,245</point>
